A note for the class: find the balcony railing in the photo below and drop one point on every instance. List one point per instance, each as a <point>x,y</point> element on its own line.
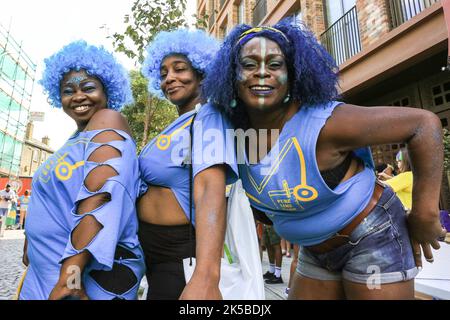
<point>342,39</point>
<point>403,10</point>
<point>259,11</point>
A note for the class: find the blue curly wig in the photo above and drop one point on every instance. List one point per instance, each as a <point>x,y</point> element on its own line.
<point>312,72</point>
<point>96,61</point>
<point>196,45</point>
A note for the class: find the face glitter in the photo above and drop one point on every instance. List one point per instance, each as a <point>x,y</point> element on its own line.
<point>76,80</point>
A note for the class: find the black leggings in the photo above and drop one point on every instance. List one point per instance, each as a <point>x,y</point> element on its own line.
<point>165,247</point>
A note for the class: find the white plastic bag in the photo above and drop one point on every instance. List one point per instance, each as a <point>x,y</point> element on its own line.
<point>241,272</point>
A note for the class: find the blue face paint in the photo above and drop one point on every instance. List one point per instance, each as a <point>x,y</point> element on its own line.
<point>262,71</point>
<point>76,80</point>
<point>283,78</point>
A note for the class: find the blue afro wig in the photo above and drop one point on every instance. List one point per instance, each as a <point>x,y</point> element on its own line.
<point>96,61</point>
<point>196,45</point>
<point>312,72</point>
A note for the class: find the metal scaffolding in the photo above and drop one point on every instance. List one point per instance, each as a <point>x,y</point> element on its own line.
<point>17,73</point>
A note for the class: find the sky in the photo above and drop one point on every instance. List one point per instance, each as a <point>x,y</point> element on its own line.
<point>45,26</point>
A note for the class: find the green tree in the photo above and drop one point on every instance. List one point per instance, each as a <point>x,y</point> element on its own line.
<point>148,17</point>
<point>446,150</point>
<point>148,115</point>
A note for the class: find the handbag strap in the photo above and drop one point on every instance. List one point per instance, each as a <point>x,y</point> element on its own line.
<point>191,185</point>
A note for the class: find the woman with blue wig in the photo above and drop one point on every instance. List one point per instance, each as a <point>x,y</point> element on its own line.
<point>82,227</point>
<point>316,182</point>
<point>173,185</point>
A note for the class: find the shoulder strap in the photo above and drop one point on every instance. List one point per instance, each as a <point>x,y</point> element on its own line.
<point>191,185</point>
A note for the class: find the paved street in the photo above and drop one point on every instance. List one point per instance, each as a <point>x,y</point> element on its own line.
<point>276,291</point>
<point>11,268</point>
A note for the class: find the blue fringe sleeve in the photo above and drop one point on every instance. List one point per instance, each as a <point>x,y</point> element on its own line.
<point>116,216</point>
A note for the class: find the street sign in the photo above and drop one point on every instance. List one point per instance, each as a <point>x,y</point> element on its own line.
<point>37,116</point>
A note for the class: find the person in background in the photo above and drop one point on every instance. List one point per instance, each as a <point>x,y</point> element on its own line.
<point>385,171</point>
<point>12,215</point>
<point>402,184</point>
<point>285,248</point>
<point>259,232</point>
<point>7,197</point>
<point>23,201</point>
<point>293,267</point>
<point>272,242</point>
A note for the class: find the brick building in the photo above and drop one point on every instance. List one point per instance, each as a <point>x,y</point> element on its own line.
<point>34,153</point>
<point>390,52</point>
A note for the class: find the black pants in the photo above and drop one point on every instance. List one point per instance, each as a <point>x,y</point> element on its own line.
<point>165,247</point>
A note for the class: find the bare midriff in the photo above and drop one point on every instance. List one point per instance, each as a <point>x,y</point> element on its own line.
<point>160,206</point>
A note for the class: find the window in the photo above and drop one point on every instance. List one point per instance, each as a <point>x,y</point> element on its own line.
<point>441,94</point>
<point>35,155</point>
<point>43,156</point>
<point>335,9</point>
<point>403,10</point>
<point>241,12</point>
<point>341,38</point>
<point>403,102</point>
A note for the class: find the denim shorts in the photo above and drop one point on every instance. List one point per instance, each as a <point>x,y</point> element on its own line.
<point>379,250</point>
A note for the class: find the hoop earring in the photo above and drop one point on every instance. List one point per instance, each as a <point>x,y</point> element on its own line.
<point>233,103</point>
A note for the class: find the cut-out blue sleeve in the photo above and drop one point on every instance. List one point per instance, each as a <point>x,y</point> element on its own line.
<point>116,214</point>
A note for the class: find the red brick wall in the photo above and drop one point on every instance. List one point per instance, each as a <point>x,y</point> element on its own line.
<point>313,15</point>
<point>373,17</point>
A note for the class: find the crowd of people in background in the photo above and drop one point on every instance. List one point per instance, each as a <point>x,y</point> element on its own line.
<point>13,209</point>
<point>400,179</point>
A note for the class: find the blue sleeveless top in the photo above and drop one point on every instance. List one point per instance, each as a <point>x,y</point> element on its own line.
<point>163,160</point>
<point>58,187</point>
<point>289,188</point>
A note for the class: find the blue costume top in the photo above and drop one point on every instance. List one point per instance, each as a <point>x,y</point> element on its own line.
<point>163,161</point>
<point>24,202</point>
<point>289,188</point>
<point>58,187</point>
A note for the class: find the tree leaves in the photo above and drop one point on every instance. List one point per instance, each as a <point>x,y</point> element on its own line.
<point>446,135</point>
<point>147,18</point>
<point>148,115</point>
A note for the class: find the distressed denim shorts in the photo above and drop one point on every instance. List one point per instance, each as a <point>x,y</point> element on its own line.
<point>378,251</point>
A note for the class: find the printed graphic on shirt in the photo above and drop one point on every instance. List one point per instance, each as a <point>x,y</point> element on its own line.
<point>60,165</point>
<point>164,140</point>
<point>287,198</point>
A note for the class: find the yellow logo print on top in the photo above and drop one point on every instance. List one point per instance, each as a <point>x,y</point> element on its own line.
<point>58,163</point>
<point>288,198</point>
